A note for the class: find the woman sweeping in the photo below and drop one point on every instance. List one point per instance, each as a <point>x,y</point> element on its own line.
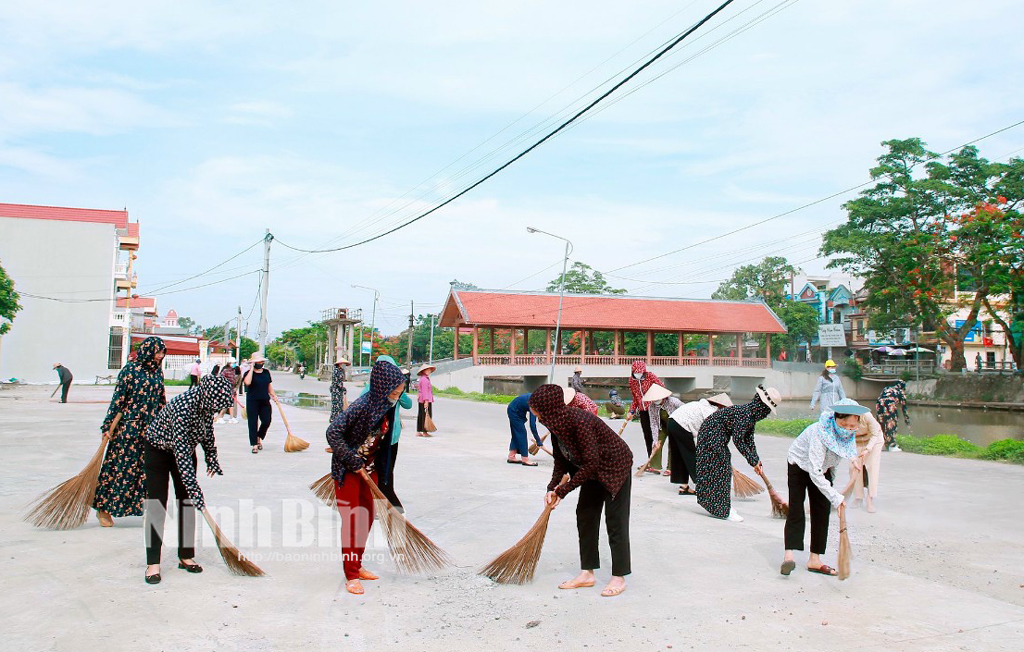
<point>425,398</point>
<point>338,387</point>
<point>387,484</point>
<point>518,411</point>
<point>598,462</point>
<point>829,389</point>
<point>892,398</point>
<point>683,425</point>
<point>359,437</point>
<point>639,382</point>
<point>258,392</point>
<point>813,458</point>
<point>170,442</point>
<point>865,468</point>
<point>138,398</point>
<point>662,403</point>
<point>714,462</point>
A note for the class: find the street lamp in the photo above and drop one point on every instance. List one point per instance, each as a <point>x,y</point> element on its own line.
<point>561,295</point>
<point>373,320</point>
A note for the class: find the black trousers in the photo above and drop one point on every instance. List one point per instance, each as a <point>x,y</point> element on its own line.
<point>800,483</point>
<point>593,498</point>
<point>683,450</point>
<point>158,465</point>
<point>64,391</point>
<point>193,380</point>
<point>259,414</point>
<point>388,487</point>
<point>421,415</point>
<point>645,425</point>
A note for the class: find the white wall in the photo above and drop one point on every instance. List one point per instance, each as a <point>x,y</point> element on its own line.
<point>66,260</point>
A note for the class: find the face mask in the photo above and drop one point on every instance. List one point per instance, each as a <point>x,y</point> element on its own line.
<point>638,376</point>
<point>831,370</point>
<point>845,432</point>
<point>258,365</point>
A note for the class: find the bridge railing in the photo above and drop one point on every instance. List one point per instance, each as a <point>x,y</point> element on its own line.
<point>540,359</point>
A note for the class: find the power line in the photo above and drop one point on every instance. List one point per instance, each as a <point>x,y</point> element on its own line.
<point>220,264</point>
<point>537,144</point>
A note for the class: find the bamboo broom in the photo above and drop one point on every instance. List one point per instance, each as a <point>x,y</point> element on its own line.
<point>67,505</point>
<point>234,560</point>
<point>643,468</point>
<point>324,489</point>
<point>780,508</point>
<point>534,447</point>
<point>743,486</point>
<point>518,564</point>
<point>245,414</point>
<point>843,563</point>
<point>411,550</point>
<point>292,444</point>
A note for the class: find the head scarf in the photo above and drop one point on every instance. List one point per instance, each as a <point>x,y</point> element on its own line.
<point>216,393</point>
<point>548,401</point>
<point>838,440</point>
<point>640,387</point>
<point>366,411</point>
<point>146,355</point>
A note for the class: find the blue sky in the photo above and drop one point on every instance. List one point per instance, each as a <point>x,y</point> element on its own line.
<point>214,121</point>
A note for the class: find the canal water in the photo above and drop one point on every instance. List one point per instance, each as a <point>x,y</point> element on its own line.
<point>978,426</point>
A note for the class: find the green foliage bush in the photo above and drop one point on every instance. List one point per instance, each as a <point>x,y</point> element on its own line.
<point>455,392</point>
<point>784,427</point>
<point>949,445</point>
<point>176,382</point>
<point>1011,450</point>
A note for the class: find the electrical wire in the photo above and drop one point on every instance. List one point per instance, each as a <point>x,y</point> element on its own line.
<point>532,147</point>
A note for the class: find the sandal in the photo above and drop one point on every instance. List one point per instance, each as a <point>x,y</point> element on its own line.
<point>787,567</point>
<point>824,569</point>
<point>654,471</point>
<point>573,584</point>
<point>685,491</point>
<point>153,579</point>
<point>367,575</point>
<point>260,445</point>
<point>612,592</point>
<point>354,587</point>
<point>513,462</point>
<point>529,464</point>
<point>255,449</point>
<point>192,568</point>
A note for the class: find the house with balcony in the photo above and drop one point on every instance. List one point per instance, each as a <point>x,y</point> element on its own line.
<point>68,265</point>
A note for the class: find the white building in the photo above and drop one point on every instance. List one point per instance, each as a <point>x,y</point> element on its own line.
<point>68,264</point>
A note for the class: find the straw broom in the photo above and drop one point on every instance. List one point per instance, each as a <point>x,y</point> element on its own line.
<point>518,564</point>
<point>780,508</point>
<point>743,486</point>
<point>67,505</point>
<point>292,444</point>
<point>324,489</point>
<point>534,447</point>
<point>411,550</point>
<point>643,468</point>
<point>234,560</point>
<point>245,414</point>
<point>843,563</point>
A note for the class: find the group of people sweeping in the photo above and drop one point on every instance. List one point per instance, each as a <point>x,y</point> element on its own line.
<point>152,443</point>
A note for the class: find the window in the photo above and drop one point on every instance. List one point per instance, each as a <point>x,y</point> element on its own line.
<point>115,347</point>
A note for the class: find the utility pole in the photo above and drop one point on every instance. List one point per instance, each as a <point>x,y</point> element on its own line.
<point>430,356</point>
<point>238,337</point>
<point>412,323</point>
<point>360,343</point>
<point>267,239</point>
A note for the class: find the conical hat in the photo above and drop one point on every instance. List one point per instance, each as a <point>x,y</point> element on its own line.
<point>720,399</point>
<point>568,394</point>
<point>656,393</point>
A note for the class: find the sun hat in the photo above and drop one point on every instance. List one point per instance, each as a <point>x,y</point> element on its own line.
<point>830,363</point>
<point>721,400</point>
<point>425,368</point>
<point>257,357</point>
<point>578,368</point>
<point>849,406</point>
<point>568,394</point>
<point>770,397</point>
<point>656,393</point>
<point>342,361</point>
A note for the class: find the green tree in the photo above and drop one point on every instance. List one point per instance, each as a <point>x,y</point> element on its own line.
<point>189,325</point>
<point>930,239</point>
<point>9,305</point>
<point>583,279</point>
<point>459,285</point>
<point>765,280</point>
<point>801,322</point>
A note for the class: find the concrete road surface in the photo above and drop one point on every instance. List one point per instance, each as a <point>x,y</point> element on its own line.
<point>939,567</point>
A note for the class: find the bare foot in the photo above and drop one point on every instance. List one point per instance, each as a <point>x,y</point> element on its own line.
<point>616,586</point>
<point>582,581</point>
<point>871,506</point>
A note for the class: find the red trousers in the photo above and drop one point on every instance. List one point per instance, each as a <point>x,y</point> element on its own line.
<point>355,504</point>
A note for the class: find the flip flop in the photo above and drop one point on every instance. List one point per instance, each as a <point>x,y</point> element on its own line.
<point>824,569</point>
<point>611,593</point>
<point>686,492</point>
<point>529,464</point>
<point>513,461</point>
<point>354,589</point>
<point>788,567</point>
<point>571,584</point>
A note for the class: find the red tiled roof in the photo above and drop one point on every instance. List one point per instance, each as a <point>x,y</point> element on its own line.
<point>118,219</point>
<point>608,312</point>
<point>133,229</point>
<point>137,302</point>
<point>176,345</point>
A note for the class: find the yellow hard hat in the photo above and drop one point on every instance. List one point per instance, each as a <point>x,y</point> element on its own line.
<point>830,363</point>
